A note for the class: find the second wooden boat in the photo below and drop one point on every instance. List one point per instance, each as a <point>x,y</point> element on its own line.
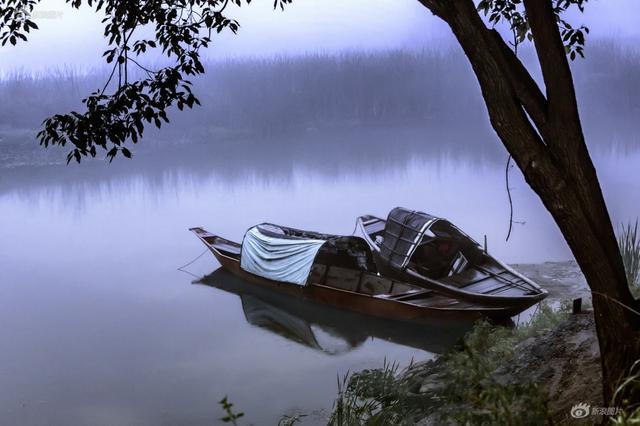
<point>432,253</point>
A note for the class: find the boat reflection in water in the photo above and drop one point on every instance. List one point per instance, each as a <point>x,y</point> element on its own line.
<point>327,339</point>
<point>330,330</point>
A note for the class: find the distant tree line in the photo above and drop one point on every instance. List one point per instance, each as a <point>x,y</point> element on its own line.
<point>274,96</point>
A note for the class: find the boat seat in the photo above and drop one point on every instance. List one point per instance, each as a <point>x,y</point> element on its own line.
<point>458,264</point>
<point>400,287</point>
<point>411,294</point>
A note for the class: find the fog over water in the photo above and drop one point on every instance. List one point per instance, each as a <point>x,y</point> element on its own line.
<point>100,326</point>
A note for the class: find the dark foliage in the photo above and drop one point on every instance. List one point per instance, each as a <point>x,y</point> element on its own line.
<point>512,12</point>
<point>181,29</point>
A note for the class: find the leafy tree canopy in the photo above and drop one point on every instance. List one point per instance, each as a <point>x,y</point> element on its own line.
<point>118,112</point>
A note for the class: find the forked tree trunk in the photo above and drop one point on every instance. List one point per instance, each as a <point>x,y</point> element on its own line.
<point>543,133</point>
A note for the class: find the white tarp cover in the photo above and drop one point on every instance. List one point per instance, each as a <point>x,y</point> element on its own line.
<point>278,259</point>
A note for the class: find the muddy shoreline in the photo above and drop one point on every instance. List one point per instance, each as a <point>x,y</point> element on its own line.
<point>563,280</point>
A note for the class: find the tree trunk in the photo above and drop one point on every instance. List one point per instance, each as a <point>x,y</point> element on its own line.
<point>545,138</point>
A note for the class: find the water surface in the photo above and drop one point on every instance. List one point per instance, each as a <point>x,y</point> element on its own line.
<point>100,328</point>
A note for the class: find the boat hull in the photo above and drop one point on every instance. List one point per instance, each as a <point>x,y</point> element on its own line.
<point>361,303</point>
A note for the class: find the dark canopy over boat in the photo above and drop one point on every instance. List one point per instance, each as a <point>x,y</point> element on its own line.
<point>340,271</point>
<point>432,253</point>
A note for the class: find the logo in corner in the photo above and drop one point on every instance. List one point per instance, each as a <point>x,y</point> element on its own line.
<point>580,411</point>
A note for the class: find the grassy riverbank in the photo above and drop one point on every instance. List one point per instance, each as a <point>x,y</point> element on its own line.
<point>532,374</point>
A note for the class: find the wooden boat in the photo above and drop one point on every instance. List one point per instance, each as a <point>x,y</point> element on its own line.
<point>432,253</point>
<point>326,329</point>
<point>344,275</point>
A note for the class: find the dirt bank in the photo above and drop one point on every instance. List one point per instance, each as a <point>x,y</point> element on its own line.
<point>563,360</point>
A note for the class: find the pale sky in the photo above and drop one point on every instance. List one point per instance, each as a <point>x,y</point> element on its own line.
<point>69,37</point>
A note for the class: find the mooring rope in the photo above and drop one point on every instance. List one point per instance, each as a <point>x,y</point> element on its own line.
<point>510,200</point>
<point>630,309</point>
<point>181,268</point>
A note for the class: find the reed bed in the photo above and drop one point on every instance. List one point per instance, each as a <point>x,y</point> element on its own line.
<point>276,95</point>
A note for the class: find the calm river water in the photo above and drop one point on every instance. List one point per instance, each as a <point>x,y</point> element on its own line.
<point>98,326</point>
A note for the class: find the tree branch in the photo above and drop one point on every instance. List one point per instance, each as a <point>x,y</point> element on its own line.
<point>523,84</point>
<point>436,7</point>
<point>566,135</point>
<point>556,73</point>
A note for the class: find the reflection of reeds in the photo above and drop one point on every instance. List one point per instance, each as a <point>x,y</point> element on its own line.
<point>629,243</point>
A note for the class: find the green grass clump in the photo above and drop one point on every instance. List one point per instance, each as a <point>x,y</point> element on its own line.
<point>376,397</point>
<point>629,244</point>
<point>473,394</point>
<point>630,415</point>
